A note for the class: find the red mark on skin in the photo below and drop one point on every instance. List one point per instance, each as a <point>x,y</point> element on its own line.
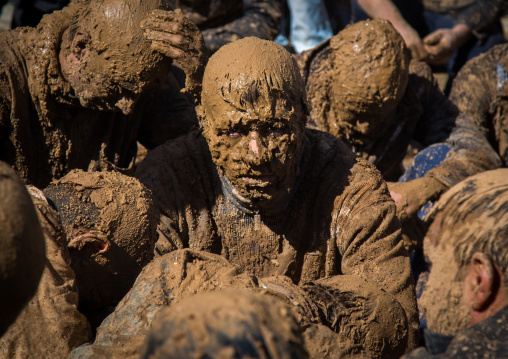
<point>92,239</point>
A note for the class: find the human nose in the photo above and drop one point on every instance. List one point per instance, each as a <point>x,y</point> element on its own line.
<point>256,145</point>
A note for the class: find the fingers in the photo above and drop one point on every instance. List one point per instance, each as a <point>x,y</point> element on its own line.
<point>169,51</point>
<point>418,51</point>
<point>433,38</point>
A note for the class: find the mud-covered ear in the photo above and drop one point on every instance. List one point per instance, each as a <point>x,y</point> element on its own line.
<point>480,280</point>
<point>80,44</point>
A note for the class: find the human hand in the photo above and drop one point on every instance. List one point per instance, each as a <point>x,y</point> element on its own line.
<point>442,43</point>
<point>413,42</point>
<point>175,36</point>
<point>410,196</point>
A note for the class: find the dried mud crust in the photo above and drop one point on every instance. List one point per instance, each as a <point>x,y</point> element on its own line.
<point>22,250</point>
<point>232,324</point>
<point>119,94</point>
<point>119,211</point>
<point>50,325</point>
<point>203,217</point>
<point>364,320</point>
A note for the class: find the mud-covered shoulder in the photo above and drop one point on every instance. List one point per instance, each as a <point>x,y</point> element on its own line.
<point>332,154</point>
<point>474,88</point>
<point>178,154</point>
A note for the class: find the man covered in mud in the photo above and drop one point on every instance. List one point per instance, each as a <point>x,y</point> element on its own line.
<point>100,230</point>
<point>466,297</point>
<point>82,87</point>
<point>365,90</point>
<point>280,205</point>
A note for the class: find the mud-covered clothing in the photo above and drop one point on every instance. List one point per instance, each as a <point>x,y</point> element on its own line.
<point>44,130</point>
<point>223,22</point>
<point>50,326</point>
<point>486,339</point>
<point>338,219</point>
<point>480,90</point>
<point>476,14</point>
<point>424,114</point>
<point>360,314</point>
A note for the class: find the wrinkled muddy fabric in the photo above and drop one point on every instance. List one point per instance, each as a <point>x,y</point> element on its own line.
<point>364,318</point>
<point>231,324</point>
<point>22,252</point>
<point>423,114</point>
<point>486,339</point>
<point>165,280</point>
<point>45,132</point>
<point>223,22</point>
<point>323,230</point>
<point>476,14</point>
<point>480,90</point>
<point>50,326</point>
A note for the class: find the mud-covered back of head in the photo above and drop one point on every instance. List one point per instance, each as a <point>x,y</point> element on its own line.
<point>370,66</point>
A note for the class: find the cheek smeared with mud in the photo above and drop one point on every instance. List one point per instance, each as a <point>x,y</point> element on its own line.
<point>249,95</point>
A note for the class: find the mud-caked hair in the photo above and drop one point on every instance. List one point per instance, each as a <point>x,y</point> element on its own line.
<point>251,74</point>
<point>474,218</point>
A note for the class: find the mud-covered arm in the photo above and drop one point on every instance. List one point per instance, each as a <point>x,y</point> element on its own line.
<point>470,153</point>
<point>157,174</point>
<point>260,18</point>
<point>480,14</point>
<point>366,233</point>
<point>175,36</point>
<point>474,88</point>
<point>167,115</point>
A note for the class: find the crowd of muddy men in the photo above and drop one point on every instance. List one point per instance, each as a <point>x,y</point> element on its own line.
<point>176,184</point>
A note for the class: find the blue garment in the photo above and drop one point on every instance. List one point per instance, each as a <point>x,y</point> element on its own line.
<point>424,161</point>
<point>309,24</point>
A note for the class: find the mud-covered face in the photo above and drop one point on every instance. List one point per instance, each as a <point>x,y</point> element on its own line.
<point>255,151</point>
<point>442,300</point>
<point>255,111</point>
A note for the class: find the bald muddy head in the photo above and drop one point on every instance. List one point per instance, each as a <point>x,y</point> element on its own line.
<point>105,57</point>
<point>370,67</point>
<point>256,109</point>
<point>110,222</point>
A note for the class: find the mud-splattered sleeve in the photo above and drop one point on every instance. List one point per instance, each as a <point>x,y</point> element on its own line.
<point>366,232</point>
<point>168,114</point>
<point>474,88</point>
<point>470,150</point>
<point>442,121</point>
<point>480,14</point>
<point>261,18</point>
<point>157,174</point>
